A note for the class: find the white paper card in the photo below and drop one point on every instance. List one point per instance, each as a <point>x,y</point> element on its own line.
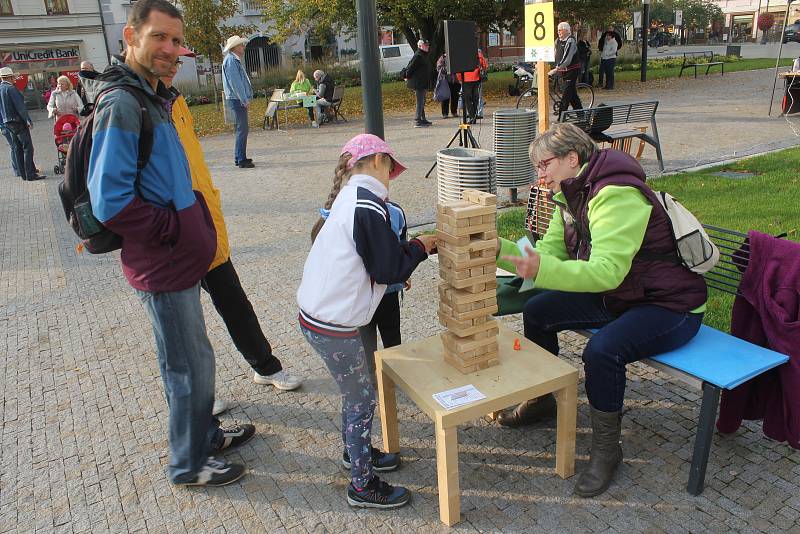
<point>453,398</point>
<point>523,242</point>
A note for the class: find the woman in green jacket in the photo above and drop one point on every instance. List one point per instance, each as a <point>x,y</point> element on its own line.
<point>301,84</point>
<point>608,261</point>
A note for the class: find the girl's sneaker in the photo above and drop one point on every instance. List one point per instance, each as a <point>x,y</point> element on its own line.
<point>381,461</point>
<point>378,494</point>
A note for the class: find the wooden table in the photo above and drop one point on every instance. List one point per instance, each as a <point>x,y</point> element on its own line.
<point>419,369</point>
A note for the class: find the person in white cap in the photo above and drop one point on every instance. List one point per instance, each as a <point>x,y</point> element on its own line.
<point>16,126</point>
<point>238,94</point>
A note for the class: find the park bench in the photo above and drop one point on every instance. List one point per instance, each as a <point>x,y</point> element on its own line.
<point>690,60</point>
<point>615,123</point>
<point>711,362</point>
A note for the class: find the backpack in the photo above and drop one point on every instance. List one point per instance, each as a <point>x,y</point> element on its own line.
<point>696,251</point>
<point>73,191</point>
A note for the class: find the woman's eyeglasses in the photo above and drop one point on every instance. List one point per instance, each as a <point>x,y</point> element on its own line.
<point>542,165</point>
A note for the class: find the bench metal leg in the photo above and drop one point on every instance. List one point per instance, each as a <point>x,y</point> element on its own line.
<point>702,441</point>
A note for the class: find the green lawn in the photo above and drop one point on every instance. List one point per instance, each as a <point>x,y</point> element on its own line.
<point>767,201</point>
<point>397,99</point>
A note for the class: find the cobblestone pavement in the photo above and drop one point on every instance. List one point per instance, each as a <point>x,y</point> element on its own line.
<point>83,444</point>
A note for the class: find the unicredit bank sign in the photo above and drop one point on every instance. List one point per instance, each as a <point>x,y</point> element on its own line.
<point>42,54</point>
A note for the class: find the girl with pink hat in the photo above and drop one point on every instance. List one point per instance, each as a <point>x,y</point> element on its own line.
<point>354,257</point>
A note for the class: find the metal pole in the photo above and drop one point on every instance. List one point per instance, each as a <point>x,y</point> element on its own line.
<point>645,28</point>
<point>778,60</point>
<point>370,67</point>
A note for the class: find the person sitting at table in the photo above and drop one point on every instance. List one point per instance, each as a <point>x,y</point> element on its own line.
<point>607,261</point>
<point>324,94</point>
<point>301,84</point>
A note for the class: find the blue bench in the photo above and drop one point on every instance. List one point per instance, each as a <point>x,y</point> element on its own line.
<point>713,361</point>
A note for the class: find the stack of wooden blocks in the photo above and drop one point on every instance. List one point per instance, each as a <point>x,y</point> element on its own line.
<point>467,241</point>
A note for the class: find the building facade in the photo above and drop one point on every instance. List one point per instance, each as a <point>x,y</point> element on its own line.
<point>43,39</point>
<point>741,19</point>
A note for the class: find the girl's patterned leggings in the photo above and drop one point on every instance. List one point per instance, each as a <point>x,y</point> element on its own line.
<point>346,361</point>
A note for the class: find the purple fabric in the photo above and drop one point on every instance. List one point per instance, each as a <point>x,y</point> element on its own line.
<point>661,282</point>
<point>768,314</point>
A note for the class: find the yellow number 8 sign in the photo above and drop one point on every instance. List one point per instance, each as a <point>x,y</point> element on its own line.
<point>539,31</point>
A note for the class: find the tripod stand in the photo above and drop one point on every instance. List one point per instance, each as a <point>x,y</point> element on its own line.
<point>464,132</point>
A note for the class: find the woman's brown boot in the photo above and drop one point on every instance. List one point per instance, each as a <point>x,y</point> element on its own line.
<point>529,412</point>
<point>606,454</point>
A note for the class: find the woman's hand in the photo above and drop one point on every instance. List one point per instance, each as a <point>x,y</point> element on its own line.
<point>428,241</point>
<point>528,265</point>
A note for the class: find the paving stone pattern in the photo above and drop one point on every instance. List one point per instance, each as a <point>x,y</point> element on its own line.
<point>84,418</point>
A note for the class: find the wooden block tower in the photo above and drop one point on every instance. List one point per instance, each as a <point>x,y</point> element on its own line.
<point>467,241</point>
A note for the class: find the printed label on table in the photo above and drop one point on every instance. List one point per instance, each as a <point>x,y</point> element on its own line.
<point>453,398</point>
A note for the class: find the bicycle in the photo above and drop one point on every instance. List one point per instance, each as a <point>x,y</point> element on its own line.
<point>529,99</point>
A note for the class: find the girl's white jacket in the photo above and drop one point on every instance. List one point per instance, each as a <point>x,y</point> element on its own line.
<point>355,256</point>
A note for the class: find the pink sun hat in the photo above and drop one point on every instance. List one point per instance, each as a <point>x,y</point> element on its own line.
<point>364,145</point>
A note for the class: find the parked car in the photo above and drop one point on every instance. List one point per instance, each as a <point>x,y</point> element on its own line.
<point>393,58</point>
<point>792,33</point>
<point>662,39</point>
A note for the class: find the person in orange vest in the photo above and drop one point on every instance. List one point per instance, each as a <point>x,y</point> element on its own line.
<point>470,87</point>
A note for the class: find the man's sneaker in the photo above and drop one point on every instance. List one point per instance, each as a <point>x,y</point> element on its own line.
<point>378,494</point>
<point>216,473</point>
<point>281,380</point>
<point>219,407</point>
<point>381,461</point>
<point>426,122</point>
<point>314,124</point>
<point>233,436</point>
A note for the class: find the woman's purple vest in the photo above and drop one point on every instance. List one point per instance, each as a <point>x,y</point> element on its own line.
<point>656,275</point>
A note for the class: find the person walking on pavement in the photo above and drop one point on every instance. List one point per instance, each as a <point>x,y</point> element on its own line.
<point>608,60</point>
<point>221,281</point>
<point>451,104</point>
<point>238,94</point>
<point>417,78</point>
<point>168,237</point>
<point>86,66</point>
<point>64,100</point>
<point>17,126</point>
<point>609,45</point>
<point>568,66</point>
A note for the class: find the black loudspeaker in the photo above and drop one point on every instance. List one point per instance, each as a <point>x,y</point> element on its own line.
<point>460,45</point>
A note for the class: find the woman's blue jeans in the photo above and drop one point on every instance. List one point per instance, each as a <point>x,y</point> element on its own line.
<point>242,129</point>
<point>637,333</point>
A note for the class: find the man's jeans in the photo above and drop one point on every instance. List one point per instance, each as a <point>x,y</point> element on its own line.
<point>607,72</point>
<point>242,129</point>
<point>638,333</point>
<point>10,139</point>
<point>186,361</point>
<point>319,107</point>
<point>23,147</point>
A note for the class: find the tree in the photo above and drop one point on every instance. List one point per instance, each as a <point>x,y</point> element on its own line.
<point>765,23</point>
<point>698,14</point>
<point>597,13</point>
<point>204,32</point>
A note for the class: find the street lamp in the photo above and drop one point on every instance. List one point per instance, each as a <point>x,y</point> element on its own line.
<point>645,28</point>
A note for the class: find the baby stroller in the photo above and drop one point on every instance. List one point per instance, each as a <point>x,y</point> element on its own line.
<point>64,130</point>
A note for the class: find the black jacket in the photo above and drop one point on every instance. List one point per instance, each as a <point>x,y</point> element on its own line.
<point>418,71</point>
<point>325,88</point>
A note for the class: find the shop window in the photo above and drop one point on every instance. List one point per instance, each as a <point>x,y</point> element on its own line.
<point>509,39</point>
<point>56,7</point>
<point>5,8</point>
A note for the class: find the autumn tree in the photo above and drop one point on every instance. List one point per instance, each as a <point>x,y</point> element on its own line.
<point>205,32</point>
